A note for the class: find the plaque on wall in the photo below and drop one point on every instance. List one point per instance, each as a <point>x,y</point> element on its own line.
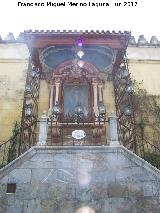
<point>78,134</point>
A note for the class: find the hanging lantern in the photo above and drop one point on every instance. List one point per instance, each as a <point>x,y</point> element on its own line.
<point>33,72</point>
<point>130,88</point>
<point>28,89</point>
<point>101,109</point>
<point>80,63</point>
<point>124,73</point>
<point>78,110</point>
<point>28,110</point>
<point>79,42</point>
<point>80,53</point>
<point>127,110</point>
<point>56,110</point>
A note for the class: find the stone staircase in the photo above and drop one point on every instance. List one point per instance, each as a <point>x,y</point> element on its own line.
<point>78,179</point>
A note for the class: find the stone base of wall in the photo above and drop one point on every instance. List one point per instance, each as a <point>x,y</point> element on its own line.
<point>80,180</point>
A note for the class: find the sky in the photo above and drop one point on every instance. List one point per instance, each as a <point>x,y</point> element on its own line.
<point>142,19</point>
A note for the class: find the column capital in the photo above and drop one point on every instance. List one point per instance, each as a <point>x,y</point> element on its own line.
<point>94,81</point>
<point>94,84</point>
<point>57,81</point>
<point>100,85</point>
<point>51,86</point>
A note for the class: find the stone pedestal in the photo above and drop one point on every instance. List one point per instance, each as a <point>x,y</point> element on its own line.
<point>43,130</point>
<point>113,133</point>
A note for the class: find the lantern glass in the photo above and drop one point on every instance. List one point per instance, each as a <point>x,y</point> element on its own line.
<point>28,110</point>
<point>33,73</point>
<point>80,53</point>
<point>28,89</point>
<point>129,89</point>
<point>56,109</point>
<point>101,108</point>
<point>124,73</point>
<point>78,109</point>
<point>127,110</point>
<point>79,42</point>
<point>80,63</point>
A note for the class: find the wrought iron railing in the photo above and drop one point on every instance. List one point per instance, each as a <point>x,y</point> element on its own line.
<point>61,133</point>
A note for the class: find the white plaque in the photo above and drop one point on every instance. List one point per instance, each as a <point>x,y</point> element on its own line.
<point>78,134</point>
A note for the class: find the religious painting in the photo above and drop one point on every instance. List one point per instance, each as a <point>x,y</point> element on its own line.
<point>73,96</point>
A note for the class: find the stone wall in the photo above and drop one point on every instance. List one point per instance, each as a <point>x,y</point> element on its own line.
<point>13,68</point>
<point>144,66</point>
<point>43,103</point>
<point>80,179</point>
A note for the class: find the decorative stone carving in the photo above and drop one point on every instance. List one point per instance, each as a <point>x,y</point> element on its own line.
<point>154,41</point>
<point>20,38</point>
<point>10,37</point>
<point>132,41</point>
<point>142,41</point>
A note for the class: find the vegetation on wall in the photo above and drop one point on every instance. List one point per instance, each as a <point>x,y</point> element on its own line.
<point>147,119</point>
<point>153,158</point>
<point>14,140</point>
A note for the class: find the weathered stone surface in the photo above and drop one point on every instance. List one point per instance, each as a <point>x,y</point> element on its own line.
<point>3,189</point>
<point>3,204</point>
<point>20,176</point>
<point>49,206</point>
<point>14,205</point>
<point>43,175</point>
<point>69,180</point>
<point>26,191</point>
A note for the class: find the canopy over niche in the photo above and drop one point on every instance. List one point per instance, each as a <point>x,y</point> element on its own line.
<point>102,49</point>
<point>102,57</point>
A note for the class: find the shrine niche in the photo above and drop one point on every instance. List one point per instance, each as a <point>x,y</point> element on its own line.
<point>76,91</point>
<point>79,73</point>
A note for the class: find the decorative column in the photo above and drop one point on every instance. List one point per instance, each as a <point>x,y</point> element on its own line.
<point>95,107</point>
<point>113,133</point>
<point>100,91</point>
<point>43,130</point>
<point>57,84</point>
<point>51,97</point>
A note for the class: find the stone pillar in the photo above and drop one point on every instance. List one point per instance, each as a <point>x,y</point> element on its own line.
<point>100,91</point>
<point>43,130</point>
<point>51,97</point>
<point>57,84</point>
<point>95,107</point>
<point>113,132</point>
